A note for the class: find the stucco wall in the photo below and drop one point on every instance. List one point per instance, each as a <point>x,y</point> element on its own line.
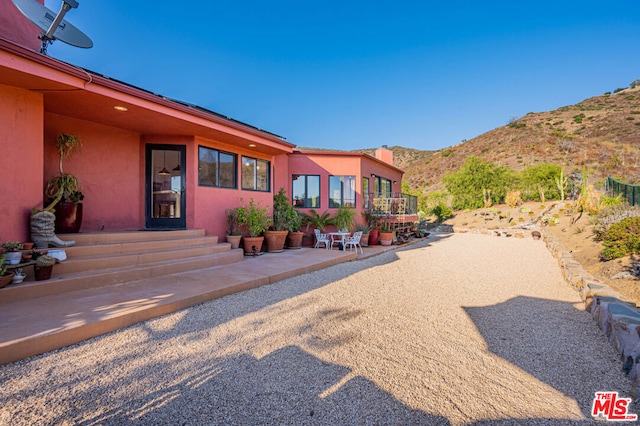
<point>21,159</point>
<point>209,204</point>
<point>110,170</point>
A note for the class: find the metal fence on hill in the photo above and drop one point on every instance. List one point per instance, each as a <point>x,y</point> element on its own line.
<point>630,192</point>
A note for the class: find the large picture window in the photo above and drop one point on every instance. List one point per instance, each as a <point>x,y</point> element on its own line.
<point>306,191</point>
<point>255,174</point>
<point>217,168</point>
<point>342,191</point>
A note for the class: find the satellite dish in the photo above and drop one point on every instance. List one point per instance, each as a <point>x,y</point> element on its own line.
<point>52,25</point>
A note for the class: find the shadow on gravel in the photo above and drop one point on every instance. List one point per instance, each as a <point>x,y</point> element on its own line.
<point>551,340</point>
<point>287,386</point>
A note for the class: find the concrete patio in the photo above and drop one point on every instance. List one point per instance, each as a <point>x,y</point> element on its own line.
<point>40,324</point>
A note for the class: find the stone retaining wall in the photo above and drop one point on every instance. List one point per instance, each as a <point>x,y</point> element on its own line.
<point>617,318</point>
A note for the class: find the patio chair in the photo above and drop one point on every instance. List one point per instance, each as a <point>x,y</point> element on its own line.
<point>321,239</point>
<point>354,242</point>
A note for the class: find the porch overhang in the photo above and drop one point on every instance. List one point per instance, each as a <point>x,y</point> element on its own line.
<point>75,92</point>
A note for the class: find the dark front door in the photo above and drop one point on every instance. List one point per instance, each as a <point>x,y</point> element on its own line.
<point>165,187</point>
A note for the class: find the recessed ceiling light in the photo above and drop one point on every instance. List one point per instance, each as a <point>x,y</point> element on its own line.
<point>120,108</point>
<point>252,145</point>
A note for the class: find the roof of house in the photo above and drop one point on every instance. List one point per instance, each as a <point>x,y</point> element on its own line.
<point>337,153</point>
<point>85,94</point>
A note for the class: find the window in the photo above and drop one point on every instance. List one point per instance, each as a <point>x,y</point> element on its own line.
<point>342,191</point>
<point>255,174</point>
<point>381,187</point>
<point>365,192</point>
<point>216,168</point>
<point>306,191</point>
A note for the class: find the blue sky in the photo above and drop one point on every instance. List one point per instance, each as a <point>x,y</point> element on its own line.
<point>355,74</point>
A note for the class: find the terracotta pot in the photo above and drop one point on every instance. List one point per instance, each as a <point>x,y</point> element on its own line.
<point>275,240</point>
<point>6,279</point>
<point>234,240</point>
<point>294,240</point>
<point>68,218</point>
<point>250,242</point>
<point>374,234</point>
<point>43,272</point>
<point>386,238</point>
<point>27,246</point>
<point>364,240</point>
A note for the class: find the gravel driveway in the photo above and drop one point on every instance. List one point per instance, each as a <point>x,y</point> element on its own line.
<point>456,329</point>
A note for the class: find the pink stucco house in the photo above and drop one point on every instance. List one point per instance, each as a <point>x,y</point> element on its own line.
<point>149,162</point>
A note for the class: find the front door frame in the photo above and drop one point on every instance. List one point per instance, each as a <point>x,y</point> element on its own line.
<point>152,220</point>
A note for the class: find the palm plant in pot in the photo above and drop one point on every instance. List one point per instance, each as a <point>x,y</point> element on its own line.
<point>257,220</point>
<point>276,235</point>
<point>233,227</point>
<point>343,218</point>
<point>316,220</point>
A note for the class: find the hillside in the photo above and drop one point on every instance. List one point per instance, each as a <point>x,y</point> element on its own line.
<point>601,133</point>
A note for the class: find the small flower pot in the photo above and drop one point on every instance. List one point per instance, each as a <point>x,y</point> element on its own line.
<point>43,272</point>
<point>14,257</point>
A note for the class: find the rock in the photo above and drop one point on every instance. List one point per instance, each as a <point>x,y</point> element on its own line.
<point>624,275</point>
<point>536,235</point>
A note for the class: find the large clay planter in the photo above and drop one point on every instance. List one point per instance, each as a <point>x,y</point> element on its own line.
<point>386,238</point>
<point>275,240</point>
<point>6,279</point>
<point>294,240</point>
<point>364,240</point>
<point>250,242</point>
<point>234,240</point>
<point>374,234</point>
<point>68,218</point>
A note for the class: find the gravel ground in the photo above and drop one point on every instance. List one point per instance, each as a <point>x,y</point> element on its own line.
<point>457,329</point>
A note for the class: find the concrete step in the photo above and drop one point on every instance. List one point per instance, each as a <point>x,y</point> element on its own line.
<point>103,277</point>
<point>102,259</point>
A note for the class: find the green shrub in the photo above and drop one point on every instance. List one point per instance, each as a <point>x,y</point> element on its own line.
<point>476,178</point>
<point>442,212</point>
<point>621,239</point>
<point>611,214</point>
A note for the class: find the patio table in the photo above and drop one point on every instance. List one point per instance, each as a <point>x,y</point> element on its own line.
<point>338,237</point>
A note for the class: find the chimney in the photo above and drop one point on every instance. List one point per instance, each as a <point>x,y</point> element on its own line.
<point>385,154</point>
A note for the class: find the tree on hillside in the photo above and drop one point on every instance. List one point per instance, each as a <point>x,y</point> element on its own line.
<point>540,177</point>
<point>467,184</point>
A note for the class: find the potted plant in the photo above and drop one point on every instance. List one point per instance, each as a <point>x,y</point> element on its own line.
<point>343,218</point>
<point>44,266</point>
<point>64,190</point>
<point>295,235</point>
<point>256,219</point>
<point>364,239</point>
<point>386,234</point>
<point>5,277</point>
<point>276,236</point>
<point>13,253</point>
<point>233,231</point>
<point>315,220</point>
<point>374,227</point>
